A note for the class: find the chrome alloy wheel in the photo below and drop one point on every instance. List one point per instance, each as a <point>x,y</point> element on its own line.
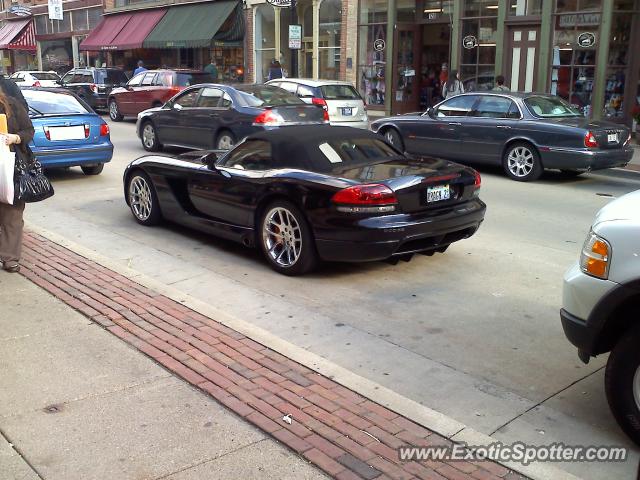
<point>282,236</point>
<point>140,198</point>
<point>148,136</point>
<point>636,387</point>
<point>389,137</point>
<point>225,142</point>
<point>520,161</point>
<point>113,110</point>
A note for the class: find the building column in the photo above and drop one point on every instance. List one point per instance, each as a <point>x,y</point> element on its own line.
<point>392,14</point>
<point>278,12</point>
<point>602,58</point>
<point>75,51</point>
<point>546,46</point>
<point>39,55</point>
<point>316,39</point>
<point>500,36</point>
<point>454,61</point>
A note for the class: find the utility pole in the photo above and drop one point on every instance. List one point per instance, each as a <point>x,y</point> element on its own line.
<point>294,52</point>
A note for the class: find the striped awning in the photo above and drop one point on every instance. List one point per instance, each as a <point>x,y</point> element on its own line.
<point>18,35</point>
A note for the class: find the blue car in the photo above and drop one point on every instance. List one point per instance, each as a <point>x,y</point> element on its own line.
<point>67,131</point>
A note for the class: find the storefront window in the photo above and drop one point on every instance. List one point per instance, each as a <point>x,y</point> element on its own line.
<point>265,41</point>
<point>95,16</point>
<point>406,11</point>
<point>435,9</point>
<point>477,68</point>
<point>79,19</point>
<point>57,55</point>
<point>577,5</point>
<point>372,37</point>
<point>525,7</point>
<point>618,60</point>
<point>330,32</point>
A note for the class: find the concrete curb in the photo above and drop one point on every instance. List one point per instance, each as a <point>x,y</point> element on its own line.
<point>406,407</point>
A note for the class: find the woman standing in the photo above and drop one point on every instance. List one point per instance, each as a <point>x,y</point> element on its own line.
<point>453,85</point>
<point>20,134</point>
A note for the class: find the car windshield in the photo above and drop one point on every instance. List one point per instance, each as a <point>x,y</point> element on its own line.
<point>351,151</point>
<point>267,96</point>
<point>45,76</point>
<point>50,103</point>
<point>111,77</point>
<point>550,107</point>
<point>339,92</point>
<point>187,79</point>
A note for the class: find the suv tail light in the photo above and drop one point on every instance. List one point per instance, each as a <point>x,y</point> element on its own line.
<point>590,140</point>
<point>321,102</point>
<point>268,117</point>
<point>37,83</point>
<point>104,130</point>
<point>47,133</point>
<point>368,198</point>
<point>477,184</point>
<point>93,87</point>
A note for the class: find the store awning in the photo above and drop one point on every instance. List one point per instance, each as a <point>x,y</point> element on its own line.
<point>190,26</point>
<point>18,35</point>
<point>124,31</point>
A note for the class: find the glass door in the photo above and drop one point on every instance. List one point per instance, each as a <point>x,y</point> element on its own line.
<point>406,70</point>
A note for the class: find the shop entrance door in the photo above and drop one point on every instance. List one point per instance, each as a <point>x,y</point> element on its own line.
<point>435,53</point>
<point>406,69</point>
<point>523,45</point>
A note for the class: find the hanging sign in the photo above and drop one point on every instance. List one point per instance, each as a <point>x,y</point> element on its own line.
<point>469,42</point>
<point>20,10</point>
<point>295,37</point>
<point>379,45</point>
<point>55,10</point>
<point>280,3</point>
<point>586,39</point>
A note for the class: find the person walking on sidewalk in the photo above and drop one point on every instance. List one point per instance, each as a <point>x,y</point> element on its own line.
<point>141,68</point>
<point>20,134</point>
<point>453,85</point>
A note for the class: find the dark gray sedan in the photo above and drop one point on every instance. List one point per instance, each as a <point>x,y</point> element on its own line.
<point>523,132</point>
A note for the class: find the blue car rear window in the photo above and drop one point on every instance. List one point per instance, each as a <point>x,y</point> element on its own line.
<point>51,103</point>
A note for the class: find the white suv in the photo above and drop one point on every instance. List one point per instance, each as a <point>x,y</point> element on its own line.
<point>342,102</point>
<point>601,305</point>
<point>36,79</point>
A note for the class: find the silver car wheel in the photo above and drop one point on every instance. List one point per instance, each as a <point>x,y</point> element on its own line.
<point>636,387</point>
<point>389,137</point>
<point>225,142</point>
<point>113,110</point>
<point>148,136</point>
<point>140,198</point>
<point>282,236</point>
<point>520,161</point>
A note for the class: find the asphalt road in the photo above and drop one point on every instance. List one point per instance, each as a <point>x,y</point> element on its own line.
<point>473,333</point>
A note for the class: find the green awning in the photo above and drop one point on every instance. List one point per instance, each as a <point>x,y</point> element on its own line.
<point>189,26</point>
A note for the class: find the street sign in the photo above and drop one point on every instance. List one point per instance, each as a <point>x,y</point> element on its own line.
<point>379,44</point>
<point>280,3</point>
<point>586,39</point>
<point>20,10</point>
<point>295,37</point>
<point>469,42</point>
<point>55,10</point>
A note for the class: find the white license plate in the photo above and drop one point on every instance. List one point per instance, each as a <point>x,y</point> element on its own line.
<point>612,138</point>
<point>439,193</point>
<point>347,111</point>
<point>67,133</point>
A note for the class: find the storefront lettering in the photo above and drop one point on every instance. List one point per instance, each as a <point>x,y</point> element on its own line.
<point>20,10</point>
<point>280,3</point>
<point>579,19</point>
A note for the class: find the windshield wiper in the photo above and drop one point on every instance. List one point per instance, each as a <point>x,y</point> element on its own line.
<point>35,110</point>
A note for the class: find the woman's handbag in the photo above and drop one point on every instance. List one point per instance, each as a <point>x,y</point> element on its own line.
<point>30,184</point>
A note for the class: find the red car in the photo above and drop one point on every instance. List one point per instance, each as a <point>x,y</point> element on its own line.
<point>151,88</point>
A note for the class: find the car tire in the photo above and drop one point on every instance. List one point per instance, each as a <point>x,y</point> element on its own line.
<point>522,163</point>
<point>114,111</point>
<point>622,383</point>
<point>286,239</point>
<point>92,169</point>
<point>225,140</point>
<point>392,136</point>
<point>149,137</point>
<point>142,199</point>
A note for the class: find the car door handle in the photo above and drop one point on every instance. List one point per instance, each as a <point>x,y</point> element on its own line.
<point>455,123</point>
<point>506,127</point>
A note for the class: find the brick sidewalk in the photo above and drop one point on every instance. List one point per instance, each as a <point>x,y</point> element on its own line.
<point>341,432</point>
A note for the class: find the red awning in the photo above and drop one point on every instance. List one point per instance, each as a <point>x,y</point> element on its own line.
<point>18,35</point>
<point>124,31</point>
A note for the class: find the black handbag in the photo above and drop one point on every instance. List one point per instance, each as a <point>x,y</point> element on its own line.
<point>30,183</point>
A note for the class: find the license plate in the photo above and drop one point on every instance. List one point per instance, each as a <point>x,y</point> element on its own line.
<point>612,138</point>
<point>67,133</point>
<point>347,111</point>
<point>437,194</point>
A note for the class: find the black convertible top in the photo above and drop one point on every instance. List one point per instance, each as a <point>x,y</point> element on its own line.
<point>299,146</point>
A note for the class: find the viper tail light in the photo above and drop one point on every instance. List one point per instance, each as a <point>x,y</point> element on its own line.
<point>368,198</point>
